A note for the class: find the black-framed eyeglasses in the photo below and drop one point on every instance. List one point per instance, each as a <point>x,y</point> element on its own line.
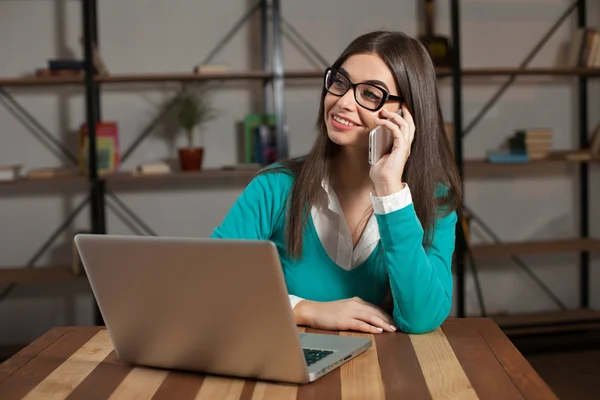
<point>367,95</point>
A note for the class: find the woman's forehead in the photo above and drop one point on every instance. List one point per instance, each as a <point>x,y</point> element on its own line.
<point>367,67</point>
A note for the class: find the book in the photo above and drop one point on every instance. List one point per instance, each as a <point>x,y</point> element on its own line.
<point>251,122</point>
<point>265,144</point>
<point>10,172</point>
<point>506,157</point>
<point>211,69</point>
<point>46,173</point>
<point>158,167</point>
<point>107,147</point>
<point>536,143</point>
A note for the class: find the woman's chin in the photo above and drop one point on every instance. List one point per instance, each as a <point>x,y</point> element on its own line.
<point>345,138</point>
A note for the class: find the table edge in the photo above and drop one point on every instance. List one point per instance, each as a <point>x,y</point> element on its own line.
<point>489,330</point>
<point>35,348</point>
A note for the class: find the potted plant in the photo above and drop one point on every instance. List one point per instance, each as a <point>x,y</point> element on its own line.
<point>193,109</point>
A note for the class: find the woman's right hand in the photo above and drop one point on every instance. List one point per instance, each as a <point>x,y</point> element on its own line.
<point>349,314</point>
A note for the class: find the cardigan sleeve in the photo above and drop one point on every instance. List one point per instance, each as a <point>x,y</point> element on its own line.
<point>420,279</point>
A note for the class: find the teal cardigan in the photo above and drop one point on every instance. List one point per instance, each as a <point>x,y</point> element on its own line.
<point>420,281</point>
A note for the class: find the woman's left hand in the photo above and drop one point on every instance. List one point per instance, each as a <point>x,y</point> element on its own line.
<point>387,173</point>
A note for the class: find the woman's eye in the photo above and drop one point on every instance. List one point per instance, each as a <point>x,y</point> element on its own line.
<point>371,95</point>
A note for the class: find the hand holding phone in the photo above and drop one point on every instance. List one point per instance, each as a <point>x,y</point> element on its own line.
<point>381,141</point>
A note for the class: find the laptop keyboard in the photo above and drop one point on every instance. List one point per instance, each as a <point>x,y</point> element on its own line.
<point>314,355</point>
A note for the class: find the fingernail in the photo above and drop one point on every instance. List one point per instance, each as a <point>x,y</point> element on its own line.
<point>393,327</point>
<point>379,330</point>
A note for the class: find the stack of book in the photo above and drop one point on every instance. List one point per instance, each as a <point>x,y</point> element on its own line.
<point>525,145</point>
<point>535,143</point>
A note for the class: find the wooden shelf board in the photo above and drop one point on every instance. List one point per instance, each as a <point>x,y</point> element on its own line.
<point>304,74</point>
<point>493,250</point>
<point>547,322</point>
<point>37,274</point>
<point>472,168</point>
<point>298,74</point>
<point>205,175</point>
<point>182,77</point>
<point>39,181</point>
<point>482,167</point>
<point>548,71</point>
<point>41,81</point>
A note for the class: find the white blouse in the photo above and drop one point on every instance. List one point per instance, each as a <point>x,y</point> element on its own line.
<point>335,235</point>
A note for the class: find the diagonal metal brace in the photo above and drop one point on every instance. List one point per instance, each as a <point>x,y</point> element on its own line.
<point>130,213</point>
<point>66,152</point>
<point>519,262</point>
<point>231,32</point>
<point>120,214</point>
<point>127,153</point>
<point>30,264</point>
<point>294,32</point>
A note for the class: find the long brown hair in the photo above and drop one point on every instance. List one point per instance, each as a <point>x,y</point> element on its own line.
<point>430,163</point>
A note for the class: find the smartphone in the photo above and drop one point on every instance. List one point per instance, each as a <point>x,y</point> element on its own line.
<point>381,141</point>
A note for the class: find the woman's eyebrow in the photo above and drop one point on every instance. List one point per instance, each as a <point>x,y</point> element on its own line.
<point>378,83</point>
<point>372,81</point>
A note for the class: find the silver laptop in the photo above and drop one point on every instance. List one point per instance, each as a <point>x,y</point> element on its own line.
<point>209,305</point>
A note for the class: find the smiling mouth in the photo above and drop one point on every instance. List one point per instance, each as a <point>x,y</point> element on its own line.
<point>343,121</point>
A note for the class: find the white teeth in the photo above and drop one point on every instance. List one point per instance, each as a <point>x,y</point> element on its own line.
<point>343,121</point>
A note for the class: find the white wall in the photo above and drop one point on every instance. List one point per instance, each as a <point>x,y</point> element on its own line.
<point>140,37</point>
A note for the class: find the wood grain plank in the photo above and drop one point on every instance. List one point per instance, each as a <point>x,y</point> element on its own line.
<point>36,370</point>
<point>66,377</point>
<point>400,369</point>
<point>529,383</point>
<point>486,374</point>
<point>328,386</point>
<point>263,390</point>
<point>216,387</point>
<point>248,389</point>
<point>361,376</point>
<point>179,385</point>
<point>141,383</point>
<point>25,355</point>
<point>274,391</point>
<point>443,373</point>
<point>103,380</point>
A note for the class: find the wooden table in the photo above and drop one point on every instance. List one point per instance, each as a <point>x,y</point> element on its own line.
<point>466,359</point>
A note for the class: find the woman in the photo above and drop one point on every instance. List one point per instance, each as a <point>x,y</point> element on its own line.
<point>351,235</point>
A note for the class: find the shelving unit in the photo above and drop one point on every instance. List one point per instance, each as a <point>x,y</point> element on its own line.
<point>581,318</point>
<point>273,77</point>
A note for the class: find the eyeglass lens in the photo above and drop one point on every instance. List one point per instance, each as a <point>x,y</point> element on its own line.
<point>367,95</point>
